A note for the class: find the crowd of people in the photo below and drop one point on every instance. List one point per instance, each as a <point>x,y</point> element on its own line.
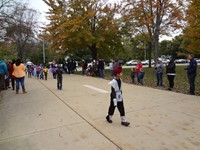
<point>13,72</point>
<point>170,72</point>
<point>96,68</point>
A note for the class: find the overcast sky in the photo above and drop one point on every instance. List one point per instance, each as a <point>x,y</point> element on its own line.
<point>41,7</point>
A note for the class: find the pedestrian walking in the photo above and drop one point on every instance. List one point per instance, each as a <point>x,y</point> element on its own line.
<point>42,74</point>
<point>138,71</point>
<point>191,72</point>
<point>133,76</point>
<point>38,69</point>
<point>116,99</point>
<point>29,69</point>
<point>12,78</point>
<point>171,73</point>
<point>19,73</point>
<point>159,72</point>
<point>3,73</point>
<point>84,67</point>
<point>59,73</point>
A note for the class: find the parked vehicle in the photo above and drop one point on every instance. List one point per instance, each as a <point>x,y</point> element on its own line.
<point>181,61</point>
<point>146,62</point>
<point>165,61</point>
<point>198,60</point>
<point>131,62</point>
<point>121,62</point>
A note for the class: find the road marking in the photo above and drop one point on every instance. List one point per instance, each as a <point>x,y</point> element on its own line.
<point>96,89</point>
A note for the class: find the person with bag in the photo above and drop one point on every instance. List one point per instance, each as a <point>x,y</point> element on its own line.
<point>116,98</point>
<point>19,73</point>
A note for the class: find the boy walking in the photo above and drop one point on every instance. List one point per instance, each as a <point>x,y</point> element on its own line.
<point>59,73</point>
<point>116,97</point>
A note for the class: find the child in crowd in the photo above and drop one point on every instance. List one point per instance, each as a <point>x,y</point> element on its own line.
<point>59,73</point>
<point>116,97</point>
<point>133,76</point>
<point>89,71</point>
<point>42,74</point>
<point>38,69</point>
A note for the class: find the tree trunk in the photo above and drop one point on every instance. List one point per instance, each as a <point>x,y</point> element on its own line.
<point>156,44</point>
<point>93,49</point>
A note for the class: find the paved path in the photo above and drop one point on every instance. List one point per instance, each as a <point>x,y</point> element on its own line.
<point>74,118</point>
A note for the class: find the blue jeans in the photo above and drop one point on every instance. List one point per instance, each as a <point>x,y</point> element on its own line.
<point>102,73</point>
<point>21,81</point>
<point>83,71</point>
<point>159,79</point>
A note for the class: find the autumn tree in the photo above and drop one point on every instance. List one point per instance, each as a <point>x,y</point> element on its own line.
<point>192,31</point>
<point>22,27</point>
<point>18,27</point>
<point>154,17</point>
<point>79,25</point>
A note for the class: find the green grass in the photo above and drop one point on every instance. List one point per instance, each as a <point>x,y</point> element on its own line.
<point>180,82</point>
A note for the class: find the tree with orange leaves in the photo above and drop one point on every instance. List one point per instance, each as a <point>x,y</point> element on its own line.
<point>192,31</point>
<point>80,25</point>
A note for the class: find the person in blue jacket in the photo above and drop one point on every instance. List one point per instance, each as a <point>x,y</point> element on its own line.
<point>3,72</point>
<point>191,72</point>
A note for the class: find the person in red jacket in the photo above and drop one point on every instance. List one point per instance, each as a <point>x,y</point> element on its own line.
<point>138,71</point>
<point>10,70</point>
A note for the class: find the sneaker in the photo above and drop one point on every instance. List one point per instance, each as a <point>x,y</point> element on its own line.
<point>125,124</point>
<point>108,119</point>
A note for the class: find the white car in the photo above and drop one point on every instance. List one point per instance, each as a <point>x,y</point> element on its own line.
<point>180,61</point>
<point>165,61</point>
<point>131,62</point>
<point>146,62</point>
<point>197,60</point>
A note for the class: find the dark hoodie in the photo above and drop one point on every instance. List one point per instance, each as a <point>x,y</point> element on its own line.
<point>170,68</point>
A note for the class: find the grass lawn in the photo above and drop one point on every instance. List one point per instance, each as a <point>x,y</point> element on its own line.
<point>181,81</point>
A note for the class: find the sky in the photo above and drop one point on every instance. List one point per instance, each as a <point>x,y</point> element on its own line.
<point>40,6</point>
